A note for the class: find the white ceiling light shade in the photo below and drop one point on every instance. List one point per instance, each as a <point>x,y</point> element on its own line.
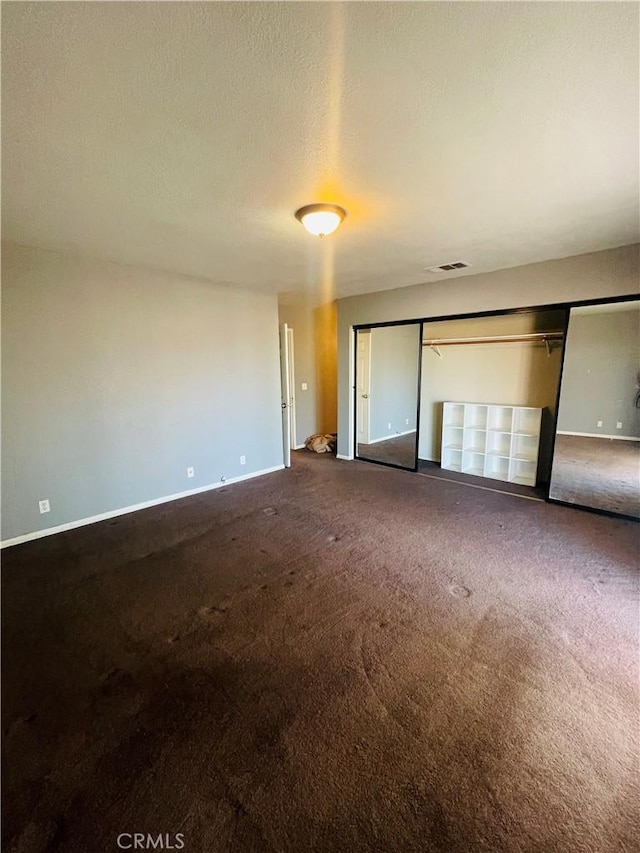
<point>321,219</point>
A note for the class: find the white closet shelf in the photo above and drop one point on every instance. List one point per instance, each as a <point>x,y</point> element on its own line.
<point>499,442</point>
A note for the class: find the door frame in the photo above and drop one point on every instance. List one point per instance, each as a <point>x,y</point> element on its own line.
<point>285,395</point>
<point>368,384</point>
<point>548,498</point>
<point>369,326</point>
<point>292,390</point>
<point>500,312</point>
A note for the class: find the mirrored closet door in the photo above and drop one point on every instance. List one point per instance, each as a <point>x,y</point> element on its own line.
<point>596,460</point>
<point>387,394</point>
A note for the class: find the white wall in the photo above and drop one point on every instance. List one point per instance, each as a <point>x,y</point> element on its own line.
<point>115,379</point>
<point>596,275</point>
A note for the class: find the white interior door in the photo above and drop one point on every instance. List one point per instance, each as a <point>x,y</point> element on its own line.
<point>292,391</point>
<point>363,387</point>
<point>285,395</point>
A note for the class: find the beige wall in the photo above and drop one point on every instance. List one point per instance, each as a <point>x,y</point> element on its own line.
<point>315,362</point>
<point>605,274</point>
<point>325,324</point>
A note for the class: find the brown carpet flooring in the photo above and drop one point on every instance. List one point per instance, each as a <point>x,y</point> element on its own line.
<point>602,473</point>
<point>396,451</point>
<point>337,657</point>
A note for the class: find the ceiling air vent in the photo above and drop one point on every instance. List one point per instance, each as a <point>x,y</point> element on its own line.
<point>456,265</point>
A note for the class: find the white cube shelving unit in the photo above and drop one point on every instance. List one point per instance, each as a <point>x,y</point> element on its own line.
<point>500,442</point>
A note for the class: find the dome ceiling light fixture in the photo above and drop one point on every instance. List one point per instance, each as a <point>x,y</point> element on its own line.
<point>321,219</point>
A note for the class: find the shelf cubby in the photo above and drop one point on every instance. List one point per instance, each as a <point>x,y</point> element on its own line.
<point>452,459</point>
<point>526,421</point>
<point>452,437</point>
<point>524,447</point>
<point>473,463</point>
<point>498,444</point>
<point>475,440</point>
<point>521,472</point>
<point>496,467</point>
<point>475,417</point>
<point>500,418</point>
<point>453,415</point>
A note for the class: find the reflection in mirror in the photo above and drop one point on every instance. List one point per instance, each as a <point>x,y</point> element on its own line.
<point>596,460</point>
<point>387,379</point>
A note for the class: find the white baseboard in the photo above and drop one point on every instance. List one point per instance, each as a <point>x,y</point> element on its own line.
<point>599,435</point>
<point>342,456</point>
<point>103,516</point>
<point>392,435</point>
<point>299,446</point>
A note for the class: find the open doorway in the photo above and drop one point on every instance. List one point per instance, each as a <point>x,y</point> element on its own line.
<point>287,390</point>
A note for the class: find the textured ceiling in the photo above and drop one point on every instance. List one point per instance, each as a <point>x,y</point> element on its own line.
<point>183,136</point>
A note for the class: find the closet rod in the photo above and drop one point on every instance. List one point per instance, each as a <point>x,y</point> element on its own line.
<point>536,337</point>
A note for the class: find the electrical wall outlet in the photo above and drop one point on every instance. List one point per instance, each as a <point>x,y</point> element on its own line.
<point>304,386</point>
<point>388,426</point>
<point>191,472</point>
<point>44,506</point>
<point>619,425</point>
<point>599,423</point>
<point>243,460</point>
<point>406,421</point>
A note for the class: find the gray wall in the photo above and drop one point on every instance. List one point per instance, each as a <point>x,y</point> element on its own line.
<point>599,274</point>
<point>395,352</point>
<point>601,372</point>
<point>115,379</point>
